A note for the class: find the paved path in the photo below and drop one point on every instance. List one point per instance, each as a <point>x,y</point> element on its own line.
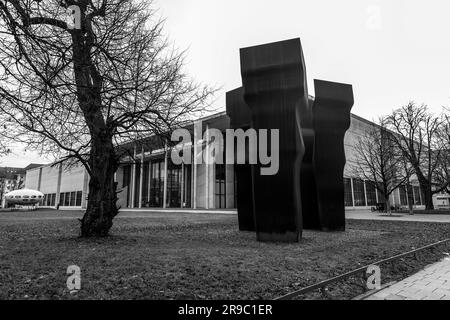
<point>432,283</point>
<point>367,215</point>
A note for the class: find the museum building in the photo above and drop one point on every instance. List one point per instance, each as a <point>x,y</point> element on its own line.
<point>149,179</point>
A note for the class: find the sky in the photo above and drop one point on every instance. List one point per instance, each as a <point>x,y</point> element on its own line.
<point>391,51</point>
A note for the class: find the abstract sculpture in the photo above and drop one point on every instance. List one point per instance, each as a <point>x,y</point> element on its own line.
<point>274,88</point>
<point>241,118</point>
<point>332,107</point>
<point>308,191</point>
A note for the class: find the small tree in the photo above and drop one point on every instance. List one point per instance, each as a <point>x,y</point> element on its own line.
<point>417,135</point>
<point>78,91</point>
<point>443,172</point>
<point>408,172</point>
<point>378,160</point>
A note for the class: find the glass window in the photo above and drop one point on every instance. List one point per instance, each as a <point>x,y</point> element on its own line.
<point>145,184</point>
<point>410,194</point>
<point>73,199</point>
<point>358,191</point>
<point>66,199</point>
<point>173,185</point>
<point>187,186</point>
<point>371,193</point>
<point>79,198</point>
<point>157,183</point>
<point>403,196</point>
<point>126,182</point>
<point>220,195</point>
<point>416,191</point>
<point>137,184</point>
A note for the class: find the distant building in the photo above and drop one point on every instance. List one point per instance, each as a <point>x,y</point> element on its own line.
<point>153,181</point>
<point>13,178</point>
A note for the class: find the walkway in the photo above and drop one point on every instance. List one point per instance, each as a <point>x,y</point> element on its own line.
<point>432,283</point>
<point>367,215</point>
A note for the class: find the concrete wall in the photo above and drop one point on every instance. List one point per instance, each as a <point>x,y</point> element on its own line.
<point>58,180</point>
<point>72,179</point>
<point>201,186</point>
<point>32,179</point>
<point>49,182</point>
<point>357,129</point>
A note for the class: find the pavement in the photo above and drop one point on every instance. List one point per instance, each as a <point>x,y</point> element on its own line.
<point>368,215</point>
<point>432,283</point>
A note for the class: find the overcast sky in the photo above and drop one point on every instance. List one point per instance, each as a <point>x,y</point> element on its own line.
<point>391,51</point>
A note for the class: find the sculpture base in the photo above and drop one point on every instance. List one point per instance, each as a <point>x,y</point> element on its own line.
<point>279,237</point>
<point>340,229</point>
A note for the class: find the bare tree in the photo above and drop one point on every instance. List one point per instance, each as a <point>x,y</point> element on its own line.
<point>81,90</point>
<point>443,172</point>
<point>417,135</point>
<point>379,161</point>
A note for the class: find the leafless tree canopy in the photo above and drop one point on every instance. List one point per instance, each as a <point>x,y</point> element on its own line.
<point>418,134</point>
<point>443,172</point>
<point>83,91</point>
<point>132,68</point>
<point>379,160</point>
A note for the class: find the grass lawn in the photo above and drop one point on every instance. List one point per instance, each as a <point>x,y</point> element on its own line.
<point>196,256</point>
<point>436,211</point>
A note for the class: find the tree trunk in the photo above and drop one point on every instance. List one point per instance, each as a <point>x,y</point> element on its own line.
<point>410,199</point>
<point>102,198</point>
<point>387,204</point>
<point>426,190</point>
<point>101,208</point>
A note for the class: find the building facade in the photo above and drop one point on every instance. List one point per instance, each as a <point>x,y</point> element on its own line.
<point>149,179</point>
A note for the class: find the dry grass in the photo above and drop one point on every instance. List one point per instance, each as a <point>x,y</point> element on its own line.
<point>194,256</point>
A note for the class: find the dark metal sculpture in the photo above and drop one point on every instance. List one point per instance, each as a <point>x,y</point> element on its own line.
<point>307,178</point>
<point>332,106</point>
<point>308,191</point>
<point>241,118</point>
<point>274,89</point>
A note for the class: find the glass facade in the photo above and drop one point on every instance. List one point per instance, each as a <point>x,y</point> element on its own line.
<point>348,192</point>
<point>219,188</point>
<point>137,185</point>
<point>410,195</point>
<point>49,200</point>
<point>145,185</point>
<point>416,191</point>
<point>126,182</point>
<point>66,199</point>
<point>173,186</point>
<point>358,192</point>
<point>187,186</point>
<point>371,193</point>
<point>403,196</point>
<point>157,184</point>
